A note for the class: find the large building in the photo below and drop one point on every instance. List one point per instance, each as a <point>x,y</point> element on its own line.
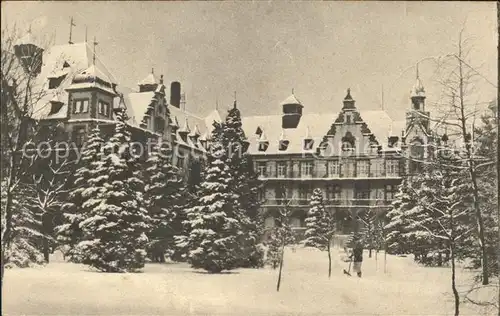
<point>356,158</point>
<point>77,92</point>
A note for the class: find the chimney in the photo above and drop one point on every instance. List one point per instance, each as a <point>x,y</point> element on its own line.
<point>175,94</point>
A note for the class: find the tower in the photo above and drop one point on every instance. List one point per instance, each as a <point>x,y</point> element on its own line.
<point>417,132</point>
<point>417,95</point>
<point>292,112</point>
<point>148,84</point>
<point>91,94</point>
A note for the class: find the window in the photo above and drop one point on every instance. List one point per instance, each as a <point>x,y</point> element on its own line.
<point>160,109</point>
<point>280,193</point>
<point>261,194</point>
<point>56,82</point>
<point>55,107</point>
<point>81,106</point>
<point>390,191</point>
<point>180,162</point>
<point>362,192</point>
<point>269,222</point>
<point>295,222</point>
<point>304,193</point>
<point>262,169</point>
<point>79,135</point>
<point>363,168</point>
<point>392,167</point>
<point>333,192</point>
<point>333,169</point>
<point>348,118</point>
<point>306,169</point>
<point>377,168</point>
<point>104,108</point>
<point>281,169</point>
<point>348,168</point>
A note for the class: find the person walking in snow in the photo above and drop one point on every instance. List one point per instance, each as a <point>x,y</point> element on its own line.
<point>357,257</point>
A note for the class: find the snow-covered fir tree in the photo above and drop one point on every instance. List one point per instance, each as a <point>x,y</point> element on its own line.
<point>24,249</point>
<point>162,196</point>
<point>319,223</point>
<point>69,233</point>
<point>214,221</point>
<point>246,185</point>
<point>114,230</point>
<point>396,219</point>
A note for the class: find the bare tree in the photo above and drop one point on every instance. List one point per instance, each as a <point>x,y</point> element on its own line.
<point>20,92</point>
<point>284,217</point>
<point>458,80</point>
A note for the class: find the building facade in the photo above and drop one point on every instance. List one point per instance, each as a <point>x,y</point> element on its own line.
<point>356,158</point>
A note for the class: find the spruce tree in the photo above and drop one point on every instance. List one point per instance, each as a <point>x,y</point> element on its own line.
<point>396,242</point>
<point>162,197</point>
<point>319,223</point>
<point>246,186</point>
<point>69,233</point>
<point>115,228</point>
<point>24,249</point>
<point>320,226</point>
<point>214,222</point>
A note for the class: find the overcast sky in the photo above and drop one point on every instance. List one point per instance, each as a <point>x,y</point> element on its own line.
<point>263,50</point>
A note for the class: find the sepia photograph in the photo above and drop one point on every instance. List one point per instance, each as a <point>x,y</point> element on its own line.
<point>250,158</point>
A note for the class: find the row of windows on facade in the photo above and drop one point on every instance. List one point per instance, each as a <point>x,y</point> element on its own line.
<point>354,168</point>
<point>333,192</point>
<point>82,106</point>
<point>308,144</point>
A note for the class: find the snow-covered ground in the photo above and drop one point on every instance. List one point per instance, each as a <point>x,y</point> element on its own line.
<point>175,289</point>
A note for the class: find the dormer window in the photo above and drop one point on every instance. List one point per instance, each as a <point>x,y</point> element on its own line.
<point>258,131</point>
<point>263,142</point>
<point>308,144</point>
<point>263,145</point>
<point>55,107</point>
<point>54,83</point>
<point>66,65</point>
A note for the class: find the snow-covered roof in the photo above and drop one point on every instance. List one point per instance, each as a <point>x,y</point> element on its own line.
<point>149,80</point>
<point>291,100</point>
<point>79,58</point>
<point>137,104</point>
<point>311,126</point>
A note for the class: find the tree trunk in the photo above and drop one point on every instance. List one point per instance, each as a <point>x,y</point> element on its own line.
<point>281,265</point>
<point>385,257</point>
<point>370,252</point>
<point>329,261</point>
<point>472,171</point>
<point>453,282</point>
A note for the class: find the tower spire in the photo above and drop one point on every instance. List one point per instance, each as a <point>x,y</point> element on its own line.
<point>234,104</point>
<point>417,72</point>
<point>93,57</point>
<point>71,24</point>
